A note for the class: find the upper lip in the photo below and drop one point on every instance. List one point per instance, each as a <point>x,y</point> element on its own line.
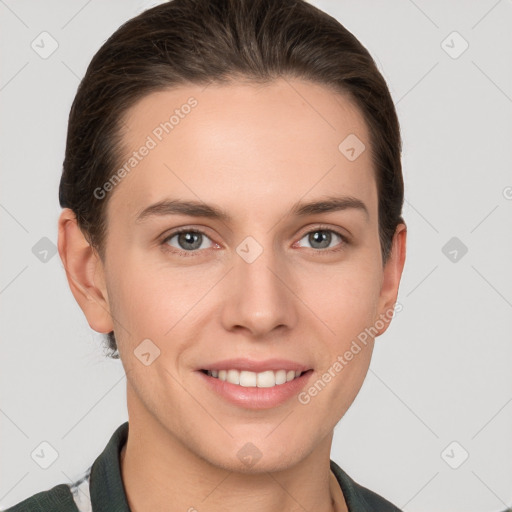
<point>255,366</point>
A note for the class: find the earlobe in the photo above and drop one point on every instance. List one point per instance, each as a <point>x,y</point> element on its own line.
<point>84,271</point>
<point>391,278</point>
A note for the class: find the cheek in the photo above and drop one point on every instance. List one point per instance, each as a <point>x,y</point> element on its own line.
<point>346,304</point>
<point>345,298</point>
<point>151,298</point>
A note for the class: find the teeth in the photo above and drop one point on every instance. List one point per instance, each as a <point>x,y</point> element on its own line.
<point>250,379</point>
<point>233,376</point>
<point>280,376</point>
<point>266,379</point>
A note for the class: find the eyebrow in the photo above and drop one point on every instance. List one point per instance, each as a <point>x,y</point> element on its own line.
<point>200,209</point>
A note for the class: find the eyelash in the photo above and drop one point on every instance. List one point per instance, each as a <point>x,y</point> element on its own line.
<point>173,250</point>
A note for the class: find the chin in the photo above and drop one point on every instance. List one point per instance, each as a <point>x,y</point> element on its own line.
<point>259,455</point>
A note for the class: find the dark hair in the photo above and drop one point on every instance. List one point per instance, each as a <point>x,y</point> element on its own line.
<point>199,42</point>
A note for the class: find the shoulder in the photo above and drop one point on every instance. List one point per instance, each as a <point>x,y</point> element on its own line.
<point>359,498</point>
<point>374,501</point>
<point>56,499</point>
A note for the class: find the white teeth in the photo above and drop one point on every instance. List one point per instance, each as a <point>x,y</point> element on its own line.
<point>233,376</point>
<point>280,376</point>
<point>247,379</point>
<point>266,379</point>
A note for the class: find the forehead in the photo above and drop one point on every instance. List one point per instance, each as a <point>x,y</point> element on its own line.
<point>244,144</point>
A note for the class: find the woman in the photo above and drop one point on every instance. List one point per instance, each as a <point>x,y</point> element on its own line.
<point>232,196</point>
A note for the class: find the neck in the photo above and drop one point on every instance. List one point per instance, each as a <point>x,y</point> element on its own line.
<point>159,474</point>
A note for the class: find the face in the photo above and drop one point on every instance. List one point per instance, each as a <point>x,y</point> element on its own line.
<point>255,275</point>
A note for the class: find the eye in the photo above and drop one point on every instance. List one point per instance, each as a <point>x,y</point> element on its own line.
<point>321,238</point>
<point>187,240</point>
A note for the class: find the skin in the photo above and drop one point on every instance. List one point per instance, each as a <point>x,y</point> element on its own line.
<point>254,150</point>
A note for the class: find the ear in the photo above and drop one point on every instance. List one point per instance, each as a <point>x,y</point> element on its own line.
<point>84,271</point>
<point>391,278</point>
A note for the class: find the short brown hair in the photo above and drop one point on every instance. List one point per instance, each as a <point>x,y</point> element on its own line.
<point>184,42</point>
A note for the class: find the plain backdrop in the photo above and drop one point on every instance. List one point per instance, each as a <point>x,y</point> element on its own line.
<point>431,429</point>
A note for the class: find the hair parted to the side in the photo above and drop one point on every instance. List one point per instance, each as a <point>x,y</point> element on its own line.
<point>199,42</point>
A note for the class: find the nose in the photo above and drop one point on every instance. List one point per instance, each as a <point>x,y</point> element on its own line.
<point>258,293</point>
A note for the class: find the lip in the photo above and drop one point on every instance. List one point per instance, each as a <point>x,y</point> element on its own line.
<point>254,397</point>
<point>250,365</point>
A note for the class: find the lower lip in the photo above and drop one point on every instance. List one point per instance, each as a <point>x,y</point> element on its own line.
<point>254,397</point>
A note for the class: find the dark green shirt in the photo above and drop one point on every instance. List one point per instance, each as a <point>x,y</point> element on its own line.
<point>103,482</point>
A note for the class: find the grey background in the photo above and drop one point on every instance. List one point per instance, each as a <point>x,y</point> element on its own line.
<point>442,371</point>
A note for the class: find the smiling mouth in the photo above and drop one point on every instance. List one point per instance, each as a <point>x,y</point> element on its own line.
<point>265,379</point>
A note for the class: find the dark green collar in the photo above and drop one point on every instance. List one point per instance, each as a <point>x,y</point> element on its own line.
<point>108,494</point>
<point>106,487</point>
